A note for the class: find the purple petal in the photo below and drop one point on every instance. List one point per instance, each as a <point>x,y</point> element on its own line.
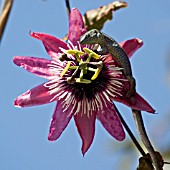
<point>131,46</point>
<point>59,121</point>
<point>38,66</point>
<point>51,43</point>
<point>140,104</point>
<point>37,96</point>
<point>136,102</point>
<point>76,26</point>
<point>86,129</point>
<point>111,122</point>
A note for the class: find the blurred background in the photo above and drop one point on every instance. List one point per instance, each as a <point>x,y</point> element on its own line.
<point>23,131</point>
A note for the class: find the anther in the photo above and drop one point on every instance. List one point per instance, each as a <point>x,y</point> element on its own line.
<point>96,74</point>
<point>91,53</point>
<point>65,69</point>
<point>75,52</point>
<point>99,68</point>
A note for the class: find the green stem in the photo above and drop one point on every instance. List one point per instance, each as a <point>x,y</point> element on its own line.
<point>144,137</point>
<point>130,132</point>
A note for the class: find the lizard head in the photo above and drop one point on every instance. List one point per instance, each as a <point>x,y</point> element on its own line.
<point>91,37</point>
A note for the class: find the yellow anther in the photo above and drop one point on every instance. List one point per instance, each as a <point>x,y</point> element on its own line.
<point>73,67</point>
<point>91,69</point>
<point>85,81</point>
<point>65,69</point>
<point>75,52</point>
<point>92,53</point>
<point>96,73</point>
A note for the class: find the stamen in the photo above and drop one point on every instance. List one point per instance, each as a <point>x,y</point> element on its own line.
<point>85,81</point>
<point>77,53</point>
<point>100,65</point>
<point>82,65</point>
<point>71,80</point>
<point>96,73</point>
<point>73,67</point>
<point>81,74</point>
<point>91,69</point>
<point>92,53</point>
<point>89,58</point>
<point>65,69</point>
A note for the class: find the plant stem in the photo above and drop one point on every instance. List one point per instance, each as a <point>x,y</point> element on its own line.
<point>68,7</point>
<point>4,13</point>
<point>130,132</point>
<point>144,137</point>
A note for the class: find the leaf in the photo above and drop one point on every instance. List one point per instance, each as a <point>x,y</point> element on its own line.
<point>96,18</point>
<point>145,162</point>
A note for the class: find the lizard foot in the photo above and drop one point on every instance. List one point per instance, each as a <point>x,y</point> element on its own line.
<point>132,89</point>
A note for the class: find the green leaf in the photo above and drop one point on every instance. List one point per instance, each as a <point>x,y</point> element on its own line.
<point>96,18</point>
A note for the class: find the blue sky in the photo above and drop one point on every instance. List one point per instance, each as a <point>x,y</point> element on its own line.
<point>23,141</point>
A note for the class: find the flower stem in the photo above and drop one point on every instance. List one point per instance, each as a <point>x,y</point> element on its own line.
<point>130,132</point>
<point>144,137</point>
<point>68,7</point>
<point>4,13</point>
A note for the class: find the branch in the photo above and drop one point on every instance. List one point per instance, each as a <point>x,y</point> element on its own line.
<point>5,11</point>
<point>68,7</point>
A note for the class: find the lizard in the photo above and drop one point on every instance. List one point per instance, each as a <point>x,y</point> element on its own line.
<point>109,46</point>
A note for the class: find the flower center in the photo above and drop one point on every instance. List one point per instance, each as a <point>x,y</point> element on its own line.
<point>82,68</point>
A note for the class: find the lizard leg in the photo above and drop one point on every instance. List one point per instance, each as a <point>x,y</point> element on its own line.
<point>132,87</point>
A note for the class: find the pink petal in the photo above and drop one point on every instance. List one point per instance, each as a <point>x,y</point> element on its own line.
<point>136,102</point>
<point>38,66</point>
<point>76,26</point>
<point>37,96</point>
<point>130,46</point>
<point>59,121</point>
<point>86,129</point>
<point>51,43</point>
<point>111,122</point>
